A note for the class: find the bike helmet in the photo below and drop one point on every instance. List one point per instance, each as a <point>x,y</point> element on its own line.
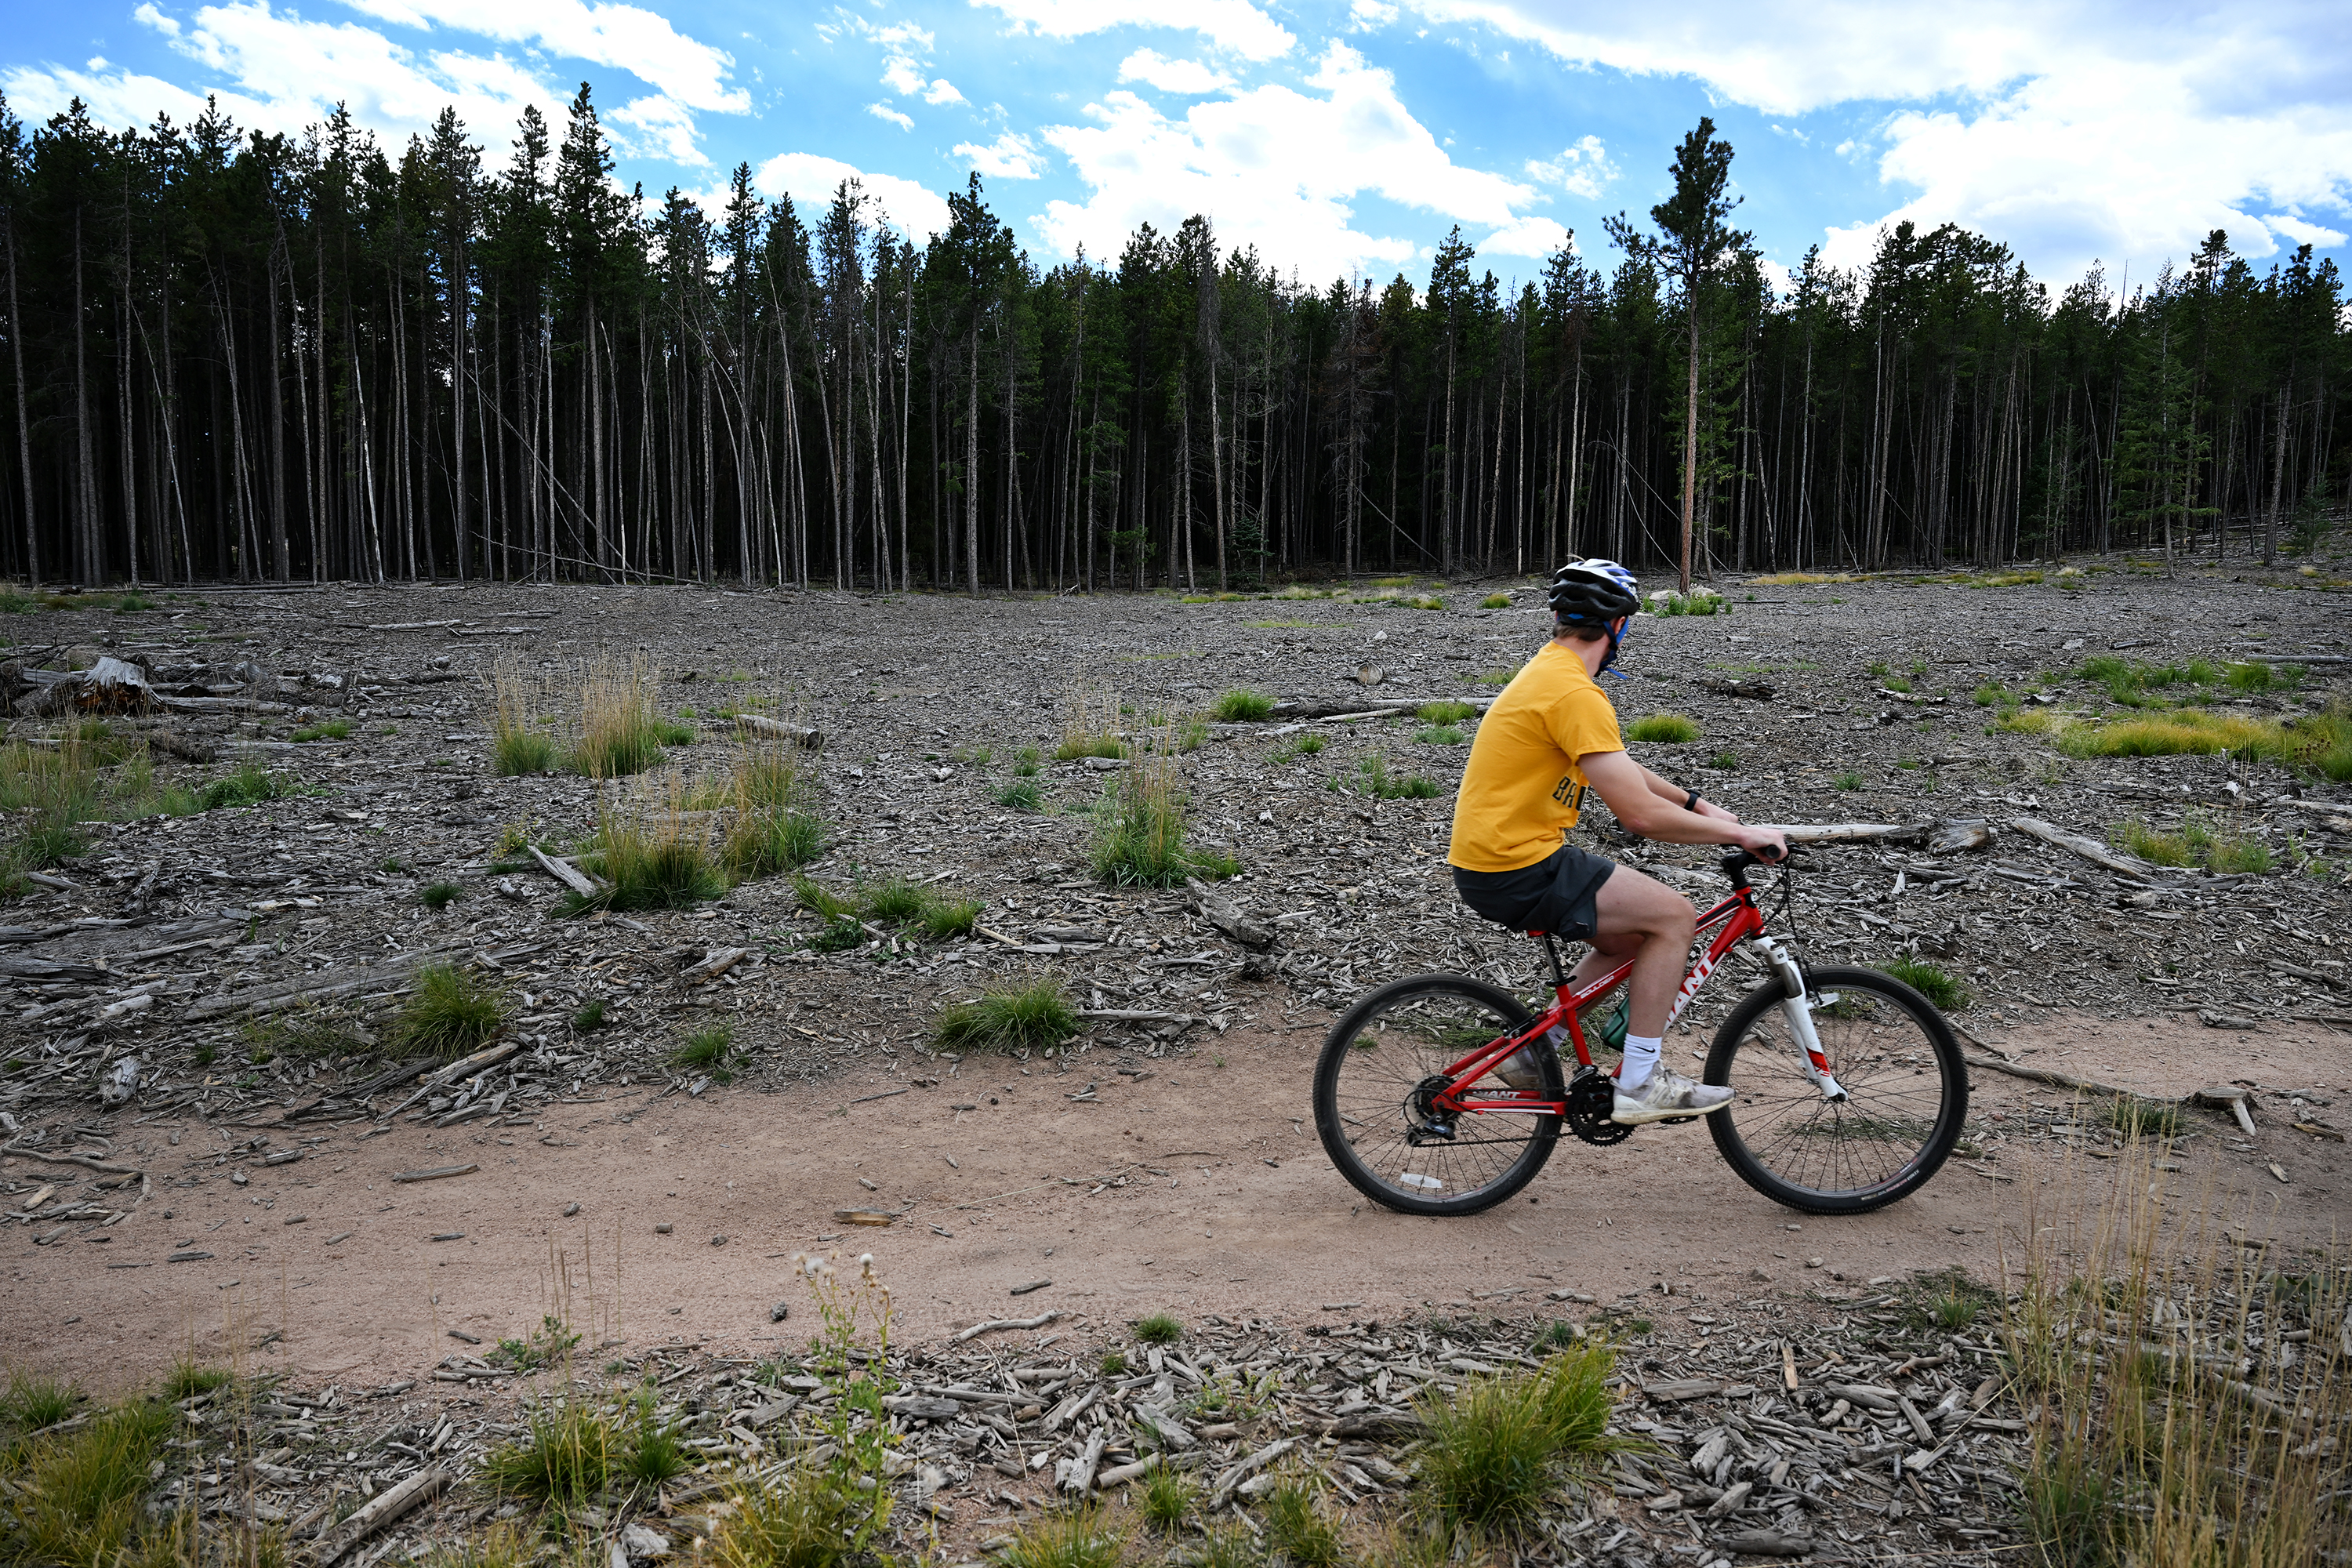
<point>1595,593</point>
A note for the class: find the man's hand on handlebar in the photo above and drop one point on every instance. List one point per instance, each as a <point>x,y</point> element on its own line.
<point>1766,844</point>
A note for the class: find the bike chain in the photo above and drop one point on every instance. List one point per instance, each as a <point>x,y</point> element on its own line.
<point>1591,1097</point>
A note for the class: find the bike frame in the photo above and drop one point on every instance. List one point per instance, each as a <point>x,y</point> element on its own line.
<point>1741,921</point>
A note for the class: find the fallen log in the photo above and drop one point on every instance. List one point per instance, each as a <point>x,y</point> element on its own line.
<point>1761,690</point>
<point>380,1511</point>
<point>1039,1321</point>
<point>2090,849</point>
<point>801,735</point>
<point>569,875</point>
<point>283,994</point>
<point>1851,832</point>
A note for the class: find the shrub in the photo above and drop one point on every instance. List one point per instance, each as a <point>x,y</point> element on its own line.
<point>449,1013</point>
<point>566,1457</point>
<point>1499,1448</point>
<point>1242,705</point>
<point>1444,713</point>
<point>1160,1328</point>
<point>1496,602</point>
<point>1664,728</point>
<point>1014,1018</point>
<point>1931,981</point>
<point>440,895</point>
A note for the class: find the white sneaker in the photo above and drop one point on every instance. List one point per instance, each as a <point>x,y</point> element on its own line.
<point>1666,1094</point>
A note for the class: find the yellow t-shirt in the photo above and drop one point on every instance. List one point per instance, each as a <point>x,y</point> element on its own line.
<point>1522,788</point>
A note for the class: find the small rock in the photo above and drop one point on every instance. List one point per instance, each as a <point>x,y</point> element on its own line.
<point>570,1209</point>
<point>717,1241</point>
<point>663,1228</point>
<point>780,1311</point>
<point>639,1542</point>
<point>1812,1263</point>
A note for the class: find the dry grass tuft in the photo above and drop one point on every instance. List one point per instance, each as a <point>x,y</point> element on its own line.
<point>620,734</point>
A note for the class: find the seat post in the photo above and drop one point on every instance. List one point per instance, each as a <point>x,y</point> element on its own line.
<point>1551,950</point>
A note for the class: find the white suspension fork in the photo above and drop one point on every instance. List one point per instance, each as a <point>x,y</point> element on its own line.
<point>1797,1008</point>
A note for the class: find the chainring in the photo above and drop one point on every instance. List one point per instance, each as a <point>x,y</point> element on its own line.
<point>1591,1096</point>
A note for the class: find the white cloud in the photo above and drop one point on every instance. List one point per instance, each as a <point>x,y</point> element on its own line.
<point>1582,169</point>
<point>1365,16</point>
<point>2303,233</point>
<point>1234,26</point>
<point>2069,129</point>
<point>664,127</point>
<point>635,39</point>
<point>884,111</point>
<point>810,179</point>
<point>275,70</point>
<point>941,91</point>
<point>900,75</point>
<point>1171,75</point>
<point>1274,168</point>
<point>1011,156</point>
<point>1533,236</point>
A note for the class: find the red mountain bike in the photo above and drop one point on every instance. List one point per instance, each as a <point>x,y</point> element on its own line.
<point>1849,1088</point>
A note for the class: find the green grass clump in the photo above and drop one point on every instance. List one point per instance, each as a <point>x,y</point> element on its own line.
<point>2155,848</point>
<point>705,1050</point>
<point>1160,1328</point>
<point>1438,735</point>
<point>305,1034</point>
<point>566,1457</point>
<point>620,734</point>
<point>1726,762</point>
<point>1014,1018</point>
<point>1102,745</point>
<point>894,902</point>
<point>946,917</point>
<point>589,1017</point>
<point>1139,830</point>
<point>1496,602</point>
<point>1445,713</point>
<point>655,1456</point>
<point>1025,762</point>
<point>1168,1496</point>
<point>1020,794</point>
<point>1374,778</point>
<point>1498,1450</point>
<point>1931,981</point>
<point>651,856</point>
<point>1084,1539</point>
<point>518,751</point>
<point>1242,705</point>
<point>1298,1529</point>
<point>2252,677</point>
<point>249,785</point>
<point>1113,1364</point>
<point>332,730</point>
<point>33,1403</point>
<point>187,1379</point>
<point>449,1014</point>
<point>1992,694</point>
<point>1302,746</point>
<point>1664,729</point>
<point>440,895</point>
<point>77,1501</point>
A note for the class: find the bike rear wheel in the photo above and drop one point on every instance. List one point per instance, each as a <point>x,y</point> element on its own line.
<point>1373,1081</point>
<point>1906,1094</point>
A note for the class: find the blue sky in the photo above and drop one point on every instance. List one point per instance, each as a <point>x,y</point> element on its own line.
<point>1338,138</point>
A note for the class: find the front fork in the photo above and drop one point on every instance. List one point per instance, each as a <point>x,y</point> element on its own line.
<point>1797,1007</point>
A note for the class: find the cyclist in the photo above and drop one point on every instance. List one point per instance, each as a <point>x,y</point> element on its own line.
<point>1549,737</point>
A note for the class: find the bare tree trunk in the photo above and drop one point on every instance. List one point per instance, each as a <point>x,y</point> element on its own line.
<point>1690,444</point>
<point>24,418</point>
<point>971,469</point>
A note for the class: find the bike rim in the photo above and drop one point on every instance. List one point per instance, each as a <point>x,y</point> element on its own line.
<point>1887,1062</point>
<point>1382,1108</point>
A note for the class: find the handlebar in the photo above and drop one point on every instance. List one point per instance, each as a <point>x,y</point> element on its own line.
<point>1736,864</point>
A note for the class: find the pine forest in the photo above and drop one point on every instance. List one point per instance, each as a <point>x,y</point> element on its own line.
<point>238,356</point>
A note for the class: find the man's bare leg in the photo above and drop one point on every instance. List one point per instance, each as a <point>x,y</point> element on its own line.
<point>1650,920</point>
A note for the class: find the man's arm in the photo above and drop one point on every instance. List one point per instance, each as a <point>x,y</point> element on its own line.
<point>1666,789</point>
<point>1641,807</point>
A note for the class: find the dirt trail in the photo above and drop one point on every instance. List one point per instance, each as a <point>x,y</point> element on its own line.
<point>332,1254</point>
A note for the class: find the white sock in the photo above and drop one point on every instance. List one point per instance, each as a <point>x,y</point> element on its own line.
<point>1641,1060</point>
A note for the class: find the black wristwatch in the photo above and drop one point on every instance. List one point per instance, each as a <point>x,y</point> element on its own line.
<point>1690,801</point>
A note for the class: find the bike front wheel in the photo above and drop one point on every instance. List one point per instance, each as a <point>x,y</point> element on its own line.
<point>1906,1094</point>
<point>1380,1064</point>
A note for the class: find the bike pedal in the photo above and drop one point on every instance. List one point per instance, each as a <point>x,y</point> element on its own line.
<point>1675,1120</point>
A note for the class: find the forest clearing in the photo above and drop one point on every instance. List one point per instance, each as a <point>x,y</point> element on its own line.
<point>399,967</point>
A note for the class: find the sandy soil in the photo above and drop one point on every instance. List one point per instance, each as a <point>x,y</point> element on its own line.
<point>328,1269</point>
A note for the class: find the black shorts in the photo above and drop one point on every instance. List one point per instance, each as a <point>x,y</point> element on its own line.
<point>1556,894</point>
